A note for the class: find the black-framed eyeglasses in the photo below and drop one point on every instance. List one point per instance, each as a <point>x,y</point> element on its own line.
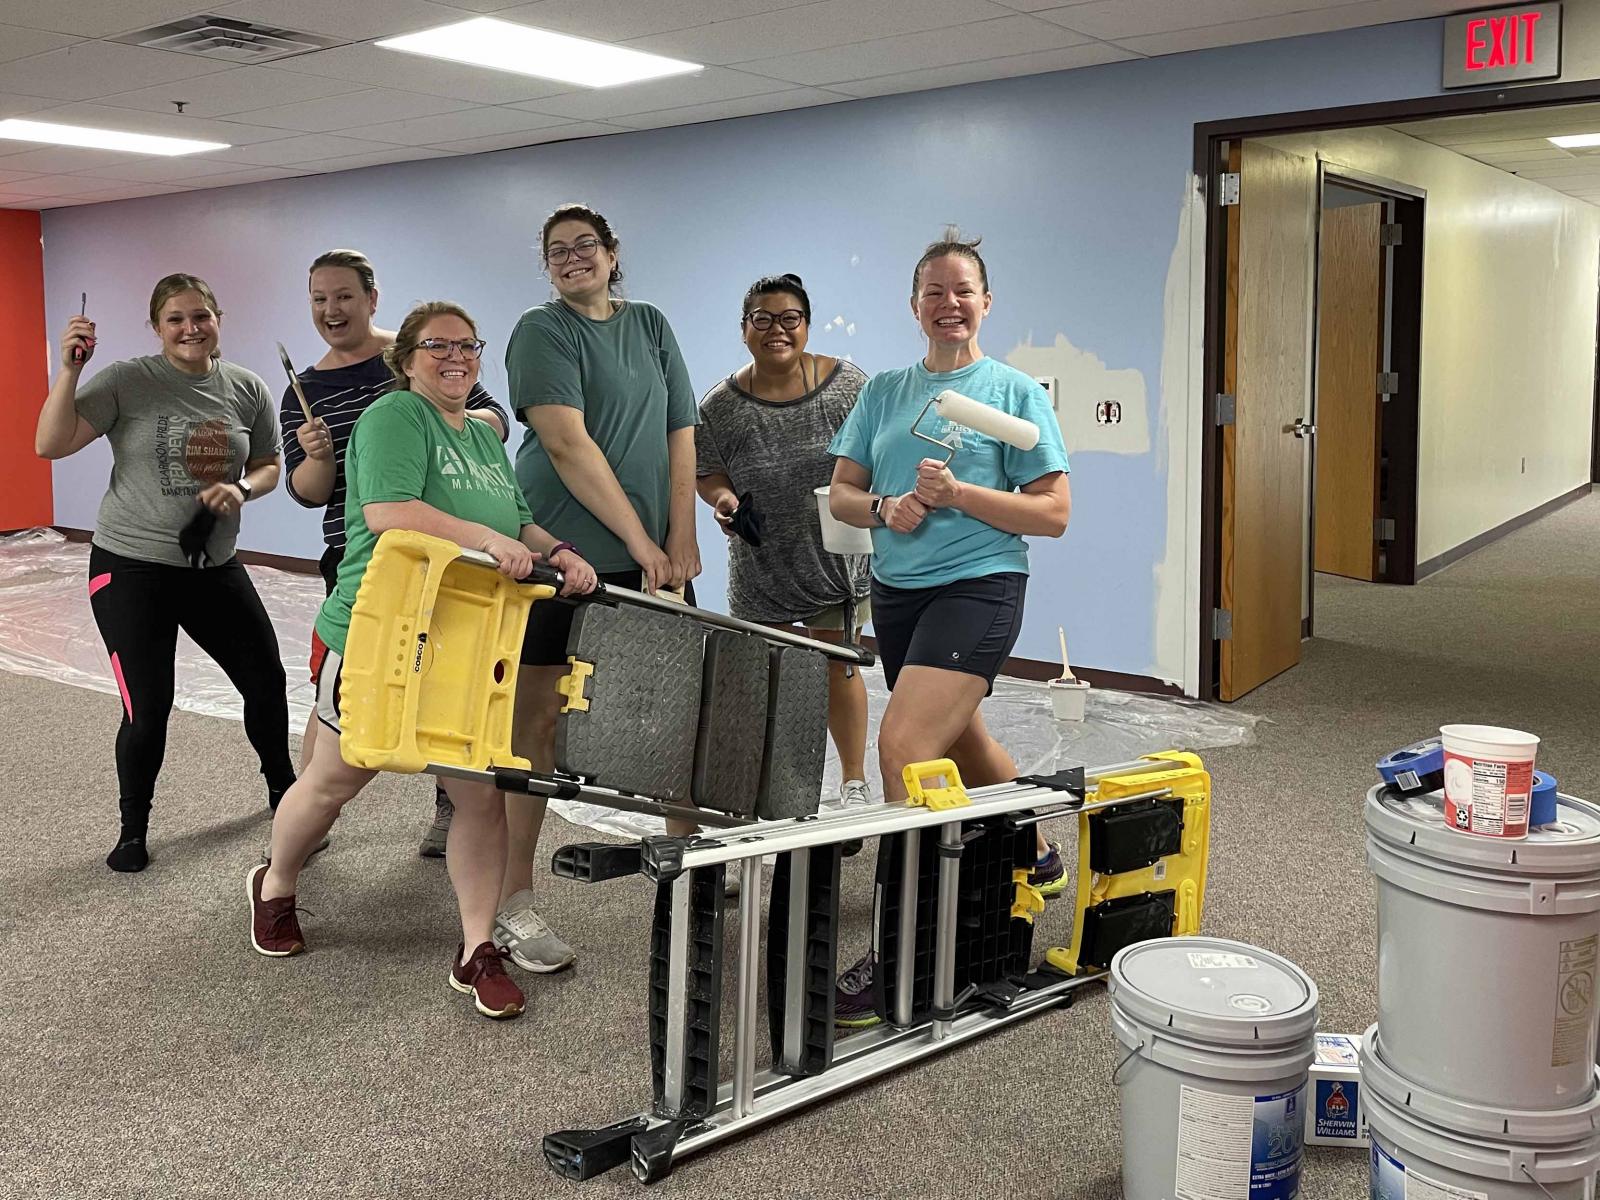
<point>583,248</point>
<point>761,320</point>
<point>471,348</point>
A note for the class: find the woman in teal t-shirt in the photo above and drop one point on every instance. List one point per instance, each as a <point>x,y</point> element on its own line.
<point>949,566</point>
<point>415,462</point>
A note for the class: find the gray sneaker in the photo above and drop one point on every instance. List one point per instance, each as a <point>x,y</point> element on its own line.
<point>533,945</point>
<point>434,838</point>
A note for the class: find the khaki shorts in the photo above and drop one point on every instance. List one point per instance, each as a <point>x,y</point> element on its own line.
<point>832,617</point>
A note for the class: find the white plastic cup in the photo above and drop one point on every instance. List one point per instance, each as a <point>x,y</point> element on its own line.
<point>837,537</point>
<point>1488,779</point>
<point>1068,697</point>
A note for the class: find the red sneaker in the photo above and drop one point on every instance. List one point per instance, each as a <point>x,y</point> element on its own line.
<point>274,928</point>
<point>484,978</point>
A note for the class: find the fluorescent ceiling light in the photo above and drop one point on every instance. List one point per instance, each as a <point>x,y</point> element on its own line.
<point>505,46</point>
<point>1573,140</point>
<point>102,139</point>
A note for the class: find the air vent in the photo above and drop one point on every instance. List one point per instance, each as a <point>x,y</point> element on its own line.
<point>228,40</point>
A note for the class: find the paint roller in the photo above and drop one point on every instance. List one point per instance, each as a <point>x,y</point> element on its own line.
<point>975,415</point>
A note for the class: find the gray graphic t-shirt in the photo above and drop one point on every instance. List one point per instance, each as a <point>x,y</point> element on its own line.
<point>779,454</point>
<point>172,435</point>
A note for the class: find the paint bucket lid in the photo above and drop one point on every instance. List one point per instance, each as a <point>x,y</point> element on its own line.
<point>1418,767</point>
<point>1413,827</point>
<point>1558,1126</point>
<point>1212,990</point>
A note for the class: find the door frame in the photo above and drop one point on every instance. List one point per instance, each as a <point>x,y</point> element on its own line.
<point>1211,139</point>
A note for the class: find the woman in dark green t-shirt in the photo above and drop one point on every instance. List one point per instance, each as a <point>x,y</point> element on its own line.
<point>415,462</point>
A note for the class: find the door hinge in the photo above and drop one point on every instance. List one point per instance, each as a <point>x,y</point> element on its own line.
<point>1227,408</point>
<point>1228,189</point>
<point>1383,529</point>
<point>1388,382</point>
<point>1221,624</point>
<point>1390,234</point>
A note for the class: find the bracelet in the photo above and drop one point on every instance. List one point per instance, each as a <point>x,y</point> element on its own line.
<point>559,547</point>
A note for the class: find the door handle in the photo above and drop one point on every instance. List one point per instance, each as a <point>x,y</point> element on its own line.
<point>1300,428</point>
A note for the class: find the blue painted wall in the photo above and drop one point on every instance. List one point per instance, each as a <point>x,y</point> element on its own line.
<point>1076,180</point>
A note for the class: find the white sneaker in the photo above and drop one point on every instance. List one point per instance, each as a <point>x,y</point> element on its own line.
<point>533,945</point>
<point>854,793</point>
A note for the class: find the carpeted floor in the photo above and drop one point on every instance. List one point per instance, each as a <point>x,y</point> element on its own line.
<point>146,1051</point>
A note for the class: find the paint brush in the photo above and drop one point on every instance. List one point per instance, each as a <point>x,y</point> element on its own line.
<point>1066,671</point>
<point>294,382</point>
<point>78,355</point>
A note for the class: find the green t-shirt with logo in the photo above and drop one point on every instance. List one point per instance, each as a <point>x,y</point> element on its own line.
<point>403,449</point>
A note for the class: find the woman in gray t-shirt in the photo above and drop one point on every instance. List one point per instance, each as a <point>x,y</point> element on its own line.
<point>763,441</point>
<point>192,439</point>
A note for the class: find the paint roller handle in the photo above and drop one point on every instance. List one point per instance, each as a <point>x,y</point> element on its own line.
<point>975,415</point>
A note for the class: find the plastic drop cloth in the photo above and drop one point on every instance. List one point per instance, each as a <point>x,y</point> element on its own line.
<point>47,631</point>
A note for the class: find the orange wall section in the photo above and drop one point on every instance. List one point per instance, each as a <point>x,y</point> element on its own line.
<point>25,495</point>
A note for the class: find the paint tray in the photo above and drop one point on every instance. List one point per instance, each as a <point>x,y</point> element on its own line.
<point>633,700</point>
<point>733,723</point>
<point>430,664</point>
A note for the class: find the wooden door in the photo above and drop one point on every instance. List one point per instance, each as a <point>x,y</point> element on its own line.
<point>1267,369</point>
<point>1348,412</point>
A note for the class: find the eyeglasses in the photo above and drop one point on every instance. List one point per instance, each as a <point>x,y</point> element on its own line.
<point>761,320</point>
<point>583,248</point>
<point>440,348</point>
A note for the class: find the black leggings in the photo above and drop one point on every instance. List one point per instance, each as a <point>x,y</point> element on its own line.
<point>139,607</point>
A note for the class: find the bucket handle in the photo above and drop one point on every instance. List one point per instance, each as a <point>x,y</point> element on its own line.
<point>1523,1167</point>
<point>1116,1076</point>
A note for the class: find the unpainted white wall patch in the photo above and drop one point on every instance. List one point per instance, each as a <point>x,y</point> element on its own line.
<point>1084,383</point>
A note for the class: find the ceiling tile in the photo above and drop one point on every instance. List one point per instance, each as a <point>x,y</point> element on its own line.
<point>97,18</point>
<point>1036,5</point>
<point>713,83</point>
<point>1090,54</point>
<point>21,106</point>
<point>41,202</point>
<point>1320,20</point>
<point>7,176</point>
<point>353,20</point>
<point>815,26</point>
<point>531,137</point>
<point>90,69</point>
<point>134,120</point>
<point>251,175</point>
<point>917,51</point>
<point>17,42</point>
<point>380,158</point>
<point>1119,19</point>
<point>132,191</point>
<point>384,68</point>
<point>59,185</point>
<point>292,151</point>
<point>161,170</point>
<point>355,108</point>
<point>483,6</point>
<point>233,91</point>
<point>450,127</point>
<point>620,20</point>
<point>748,106</point>
<point>29,156</point>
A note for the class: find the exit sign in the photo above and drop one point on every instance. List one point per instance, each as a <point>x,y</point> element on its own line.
<point>1502,45</point>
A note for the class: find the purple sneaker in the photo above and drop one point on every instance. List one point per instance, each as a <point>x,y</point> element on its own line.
<point>852,995</point>
<point>1049,874</point>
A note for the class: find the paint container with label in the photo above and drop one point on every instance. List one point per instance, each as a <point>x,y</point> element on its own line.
<point>1488,779</point>
<point>1335,1115</point>
<point>1542,808</point>
<point>1429,1147</point>
<point>1217,1038</point>
<point>1487,953</point>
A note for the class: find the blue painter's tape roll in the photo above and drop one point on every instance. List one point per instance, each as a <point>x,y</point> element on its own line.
<point>1418,767</point>
<point>1542,809</point>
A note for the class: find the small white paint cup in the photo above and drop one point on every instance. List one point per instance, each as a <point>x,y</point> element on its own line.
<point>1488,779</point>
<point>1068,697</point>
<point>837,537</point>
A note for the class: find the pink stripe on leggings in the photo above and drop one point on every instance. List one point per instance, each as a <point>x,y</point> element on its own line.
<point>98,582</point>
<point>122,686</point>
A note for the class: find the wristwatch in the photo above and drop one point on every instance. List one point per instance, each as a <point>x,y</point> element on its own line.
<point>244,488</point>
<point>877,509</point>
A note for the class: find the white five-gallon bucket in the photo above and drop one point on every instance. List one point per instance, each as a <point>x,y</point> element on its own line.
<point>1427,1145</point>
<point>837,537</point>
<point>1218,1037</point>
<point>1487,953</point>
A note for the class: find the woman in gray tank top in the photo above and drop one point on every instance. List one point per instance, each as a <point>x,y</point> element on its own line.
<point>762,443</point>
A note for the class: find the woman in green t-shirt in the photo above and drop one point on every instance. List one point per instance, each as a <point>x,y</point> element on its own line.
<point>415,462</point>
